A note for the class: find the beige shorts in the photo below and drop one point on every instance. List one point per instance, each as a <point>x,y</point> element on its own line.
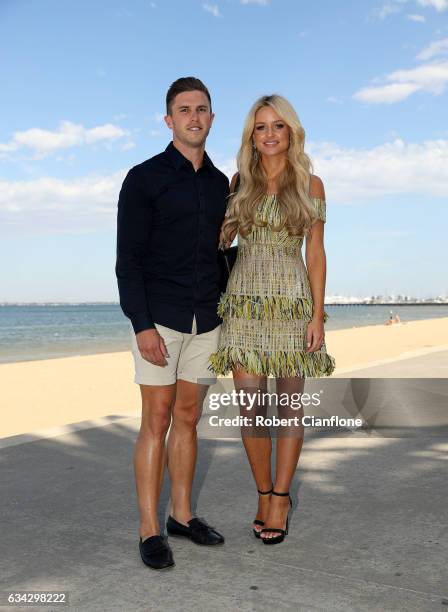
<point>188,358</point>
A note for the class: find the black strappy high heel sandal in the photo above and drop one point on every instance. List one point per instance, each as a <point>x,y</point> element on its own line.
<point>282,532</point>
<point>257,521</point>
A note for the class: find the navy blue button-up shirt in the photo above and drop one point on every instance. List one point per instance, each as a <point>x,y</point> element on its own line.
<point>169,218</point>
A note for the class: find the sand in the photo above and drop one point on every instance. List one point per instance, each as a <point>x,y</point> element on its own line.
<point>39,395</point>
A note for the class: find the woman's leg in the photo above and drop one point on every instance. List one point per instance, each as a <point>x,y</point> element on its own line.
<point>289,445</point>
<point>256,439</point>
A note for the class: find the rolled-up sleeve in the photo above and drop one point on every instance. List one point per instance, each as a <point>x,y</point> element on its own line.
<point>133,229</point>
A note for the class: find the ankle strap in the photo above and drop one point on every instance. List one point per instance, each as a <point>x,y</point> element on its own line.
<point>265,492</point>
<point>280,494</point>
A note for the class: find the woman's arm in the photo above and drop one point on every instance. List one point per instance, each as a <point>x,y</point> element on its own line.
<point>316,264</point>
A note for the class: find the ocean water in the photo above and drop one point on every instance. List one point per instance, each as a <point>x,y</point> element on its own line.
<point>30,332</point>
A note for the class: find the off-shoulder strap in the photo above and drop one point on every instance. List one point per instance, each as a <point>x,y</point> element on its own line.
<point>320,207</point>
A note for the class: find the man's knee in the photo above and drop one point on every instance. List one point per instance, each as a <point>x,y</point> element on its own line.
<point>156,424</point>
<point>156,414</point>
<point>186,414</point>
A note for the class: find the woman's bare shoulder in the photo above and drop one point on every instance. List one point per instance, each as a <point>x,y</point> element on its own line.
<point>316,187</point>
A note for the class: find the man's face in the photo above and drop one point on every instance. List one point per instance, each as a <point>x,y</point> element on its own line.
<point>190,118</point>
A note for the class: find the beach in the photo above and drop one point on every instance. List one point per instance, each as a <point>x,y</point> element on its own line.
<point>43,395</point>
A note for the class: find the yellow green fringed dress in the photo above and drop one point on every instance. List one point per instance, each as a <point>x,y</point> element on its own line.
<point>268,304</point>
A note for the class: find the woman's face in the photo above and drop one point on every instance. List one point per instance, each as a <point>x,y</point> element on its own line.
<point>271,134</point>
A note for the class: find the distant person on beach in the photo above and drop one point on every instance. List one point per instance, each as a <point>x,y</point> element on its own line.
<point>392,319</point>
<point>273,308</point>
<point>170,211</point>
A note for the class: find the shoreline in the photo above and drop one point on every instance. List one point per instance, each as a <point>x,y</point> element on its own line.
<point>43,394</point>
<point>66,356</point>
<point>328,334</point>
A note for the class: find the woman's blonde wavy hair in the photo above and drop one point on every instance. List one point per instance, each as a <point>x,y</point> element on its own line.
<point>296,210</point>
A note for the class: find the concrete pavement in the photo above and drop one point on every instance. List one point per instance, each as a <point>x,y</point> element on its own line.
<point>433,364</point>
<point>368,530</point>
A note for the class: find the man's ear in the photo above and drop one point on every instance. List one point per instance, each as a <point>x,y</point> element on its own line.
<point>169,121</point>
<point>212,116</point>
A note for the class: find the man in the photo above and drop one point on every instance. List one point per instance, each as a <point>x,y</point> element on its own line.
<point>170,212</point>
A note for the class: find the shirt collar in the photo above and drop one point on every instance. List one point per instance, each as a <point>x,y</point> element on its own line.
<point>179,160</point>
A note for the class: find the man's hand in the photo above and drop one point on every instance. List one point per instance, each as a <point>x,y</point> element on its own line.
<point>152,347</point>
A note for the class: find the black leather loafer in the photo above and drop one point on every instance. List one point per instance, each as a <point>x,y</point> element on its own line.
<point>198,531</point>
<point>156,553</point>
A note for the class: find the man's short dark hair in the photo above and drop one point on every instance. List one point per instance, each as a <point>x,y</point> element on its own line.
<point>185,84</point>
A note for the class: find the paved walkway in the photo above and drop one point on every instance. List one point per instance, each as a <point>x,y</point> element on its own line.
<point>368,532</point>
<point>432,365</point>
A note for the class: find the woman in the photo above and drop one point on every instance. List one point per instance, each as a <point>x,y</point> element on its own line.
<point>273,308</point>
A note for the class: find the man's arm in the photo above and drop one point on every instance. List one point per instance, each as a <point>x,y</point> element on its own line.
<point>133,228</point>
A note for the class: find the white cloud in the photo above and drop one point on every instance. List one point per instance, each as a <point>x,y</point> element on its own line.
<point>397,167</point>
<point>431,78</point>
<point>396,6</point>
<point>436,48</point>
<point>351,176</point>
<point>48,204</point>
<point>213,9</point>
<point>128,145</point>
<point>388,9</point>
<point>228,166</point>
<point>416,18</point>
<point>159,117</point>
<point>103,132</point>
<point>260,2</point>
<point>7,147</point>
<point>386,94</point>
<point>439,5</point>
<point>69,135</point>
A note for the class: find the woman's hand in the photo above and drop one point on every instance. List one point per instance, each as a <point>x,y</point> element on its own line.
<point>315,334</point>
<point>223,244</point>
<point>226,244</point>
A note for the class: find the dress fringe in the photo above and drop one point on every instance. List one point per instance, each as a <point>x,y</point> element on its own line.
<point>268,363</point>
<point>265,307</point>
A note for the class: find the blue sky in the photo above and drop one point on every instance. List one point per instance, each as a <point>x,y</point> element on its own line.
<point>83,89</point>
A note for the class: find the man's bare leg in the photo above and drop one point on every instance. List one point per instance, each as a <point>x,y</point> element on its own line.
<point>182,446</point>
<point>149,453</point>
